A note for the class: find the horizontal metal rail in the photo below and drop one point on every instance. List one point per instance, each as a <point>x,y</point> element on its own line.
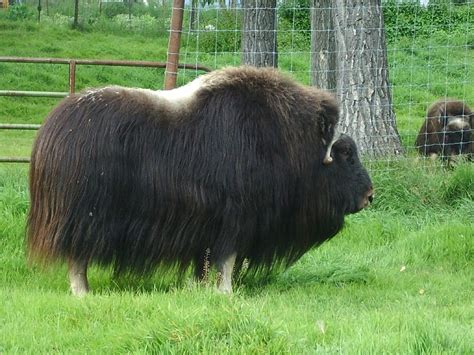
<point>19,126</point>
<point>72,83</point>
<point>122,63</point>
<point>33,93</point>
<point>14,160</point>
<point>72,71</point>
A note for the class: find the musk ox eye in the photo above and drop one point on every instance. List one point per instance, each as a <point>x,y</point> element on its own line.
<point>348,153</point>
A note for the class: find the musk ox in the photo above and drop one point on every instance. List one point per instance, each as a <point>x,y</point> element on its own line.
<point>447,130</point>
<point>241,163</point>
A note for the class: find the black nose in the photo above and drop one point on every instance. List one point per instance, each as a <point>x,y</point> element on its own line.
<point>371,198</point>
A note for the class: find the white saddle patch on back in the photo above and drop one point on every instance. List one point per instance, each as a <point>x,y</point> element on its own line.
<point>175,99</point>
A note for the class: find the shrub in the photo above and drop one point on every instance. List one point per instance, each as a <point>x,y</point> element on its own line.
<point>19,12</point>
<point>111,10</point>
<point>296,13</point>
<point>410,19</point>
<point>459,185</point>
<point>219,31</point>
<point>146,25</point>
<point>58,20</point>
<point>402,18</point>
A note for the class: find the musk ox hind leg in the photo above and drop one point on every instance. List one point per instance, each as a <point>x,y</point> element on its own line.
<point>78,277</point>
<point>225,268</point>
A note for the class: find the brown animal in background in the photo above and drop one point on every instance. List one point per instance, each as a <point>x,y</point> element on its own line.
<point>447,130</point>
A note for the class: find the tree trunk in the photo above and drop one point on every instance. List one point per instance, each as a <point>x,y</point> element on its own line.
<point>361,72</point>
<point>323,46</point>
<point>76,14</point>
<point>259,36</point>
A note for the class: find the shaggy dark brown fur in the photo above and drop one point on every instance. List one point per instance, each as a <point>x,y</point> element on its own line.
<point>119,176</point>
<point>447,130</point>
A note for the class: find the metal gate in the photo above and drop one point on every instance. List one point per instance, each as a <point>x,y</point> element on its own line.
<point>72,84</point>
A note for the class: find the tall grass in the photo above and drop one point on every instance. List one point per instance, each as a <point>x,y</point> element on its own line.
<point>397,279</point>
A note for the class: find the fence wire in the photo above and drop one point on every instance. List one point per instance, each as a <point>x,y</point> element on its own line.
<point>429,47</point>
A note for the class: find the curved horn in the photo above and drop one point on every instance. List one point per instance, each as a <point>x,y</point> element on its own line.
<point>328,158</point>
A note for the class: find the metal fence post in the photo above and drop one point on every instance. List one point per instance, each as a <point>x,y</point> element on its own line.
<point>176,28</point>
<point>72,76</point>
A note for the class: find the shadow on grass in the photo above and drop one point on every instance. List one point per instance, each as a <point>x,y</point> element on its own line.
<point>335,275</point>
<point>103,281</point>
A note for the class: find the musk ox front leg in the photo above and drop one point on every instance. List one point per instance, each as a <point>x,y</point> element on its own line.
<point>225,267</point>
<point>78,277</point>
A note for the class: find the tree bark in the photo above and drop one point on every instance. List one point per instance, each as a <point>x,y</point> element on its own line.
<point>361,71</point>
<point>76,14</point>
<point>323,45</point>
<point>259,36</point>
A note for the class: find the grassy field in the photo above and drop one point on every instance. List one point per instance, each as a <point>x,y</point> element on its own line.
<point>397,279</point>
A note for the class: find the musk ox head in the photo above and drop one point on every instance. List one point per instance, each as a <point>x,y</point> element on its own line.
<point>447,130</point>
<point>240,164</point>
<point>457,135</point>
<point>348,170</point>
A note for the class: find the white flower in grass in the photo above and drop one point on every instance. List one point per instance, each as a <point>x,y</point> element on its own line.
<point>209,27</point>
<point>321,326</point>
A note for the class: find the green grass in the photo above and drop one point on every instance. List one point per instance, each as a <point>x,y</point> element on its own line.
<point>421,69</point>
<point>397,279</point>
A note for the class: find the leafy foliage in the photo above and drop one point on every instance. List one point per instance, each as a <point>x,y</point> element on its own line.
<point>297,13</point>
<point>402,18</point>
<point>19,12</point>
<point>111,10</point>
<point>219,31</point>
<point>411,19</point>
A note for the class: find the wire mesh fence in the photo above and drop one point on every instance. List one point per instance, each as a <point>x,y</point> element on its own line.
<point>429,51</point>
<point>386,61</point>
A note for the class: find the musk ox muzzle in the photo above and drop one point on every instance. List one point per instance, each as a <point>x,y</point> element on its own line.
<point>233,166</point>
